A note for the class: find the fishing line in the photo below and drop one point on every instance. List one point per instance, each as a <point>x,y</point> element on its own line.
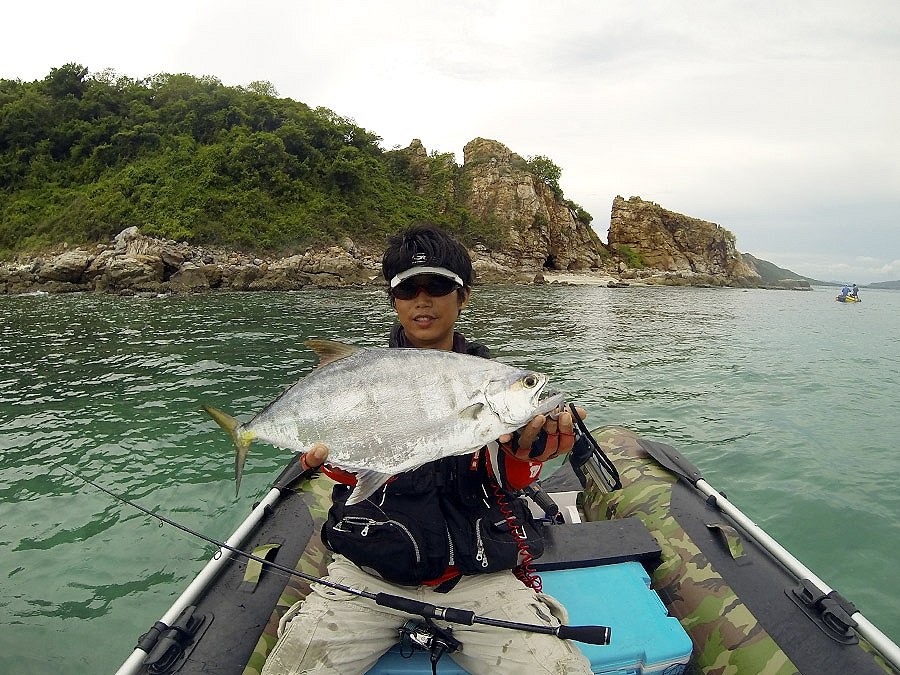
<point>598,635</point>
<point>286,571</point>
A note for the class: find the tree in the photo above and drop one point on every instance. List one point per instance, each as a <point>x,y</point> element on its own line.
<point>83,156</point>
<point>263,88</point>
<point>66,80</point>
<point>548,172</point>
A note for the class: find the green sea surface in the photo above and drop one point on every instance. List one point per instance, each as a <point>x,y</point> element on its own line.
<point>788,401</point>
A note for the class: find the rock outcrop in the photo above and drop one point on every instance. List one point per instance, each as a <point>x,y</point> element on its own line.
<point>686,250</point>
<point>424,169</point>
<point>135,264</point>
<point>540,230</point>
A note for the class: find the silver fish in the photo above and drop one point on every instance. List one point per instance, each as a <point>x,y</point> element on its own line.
<point>385,411</point>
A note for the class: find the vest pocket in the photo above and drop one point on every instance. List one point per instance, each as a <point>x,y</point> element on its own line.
<point>393,530</point>
<point>486,543</point>
<point>387,542</point>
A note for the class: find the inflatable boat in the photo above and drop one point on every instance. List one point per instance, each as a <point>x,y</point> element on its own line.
<point>847,298</point>
<point>636,542</point>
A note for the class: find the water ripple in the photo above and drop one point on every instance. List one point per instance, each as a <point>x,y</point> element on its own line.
<point>785,401</point>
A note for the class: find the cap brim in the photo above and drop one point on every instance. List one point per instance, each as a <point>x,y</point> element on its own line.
<point>421,269</point>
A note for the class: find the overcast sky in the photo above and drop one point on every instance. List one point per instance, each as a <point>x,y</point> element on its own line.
<point>779,121</point>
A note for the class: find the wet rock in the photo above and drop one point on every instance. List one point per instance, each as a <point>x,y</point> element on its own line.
<point>138,273</point>
<point>188,279</point>
<point>67,267</point>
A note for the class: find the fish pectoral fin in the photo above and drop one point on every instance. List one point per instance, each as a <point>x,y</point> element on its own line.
<point>367,483</point>
<point>330,351</point>
<point>471,412</point>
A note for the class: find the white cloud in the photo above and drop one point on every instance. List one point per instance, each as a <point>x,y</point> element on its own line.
<point>890,270</point>
<point>777,121</point>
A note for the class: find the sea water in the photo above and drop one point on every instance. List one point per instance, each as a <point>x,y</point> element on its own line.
<point>788,402</point>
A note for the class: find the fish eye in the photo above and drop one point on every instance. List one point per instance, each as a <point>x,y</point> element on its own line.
<point>530,381</point>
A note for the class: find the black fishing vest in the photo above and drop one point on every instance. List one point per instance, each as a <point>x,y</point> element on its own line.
<point>444,513</point>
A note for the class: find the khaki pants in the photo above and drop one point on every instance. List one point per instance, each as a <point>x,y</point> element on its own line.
<point>341,634</point>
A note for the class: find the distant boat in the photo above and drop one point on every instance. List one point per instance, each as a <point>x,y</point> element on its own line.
<point>847,298</point>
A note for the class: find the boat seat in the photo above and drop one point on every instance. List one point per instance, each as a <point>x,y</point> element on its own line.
<point>598,542</point>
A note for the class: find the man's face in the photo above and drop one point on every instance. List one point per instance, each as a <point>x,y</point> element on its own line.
<point>427,316</point>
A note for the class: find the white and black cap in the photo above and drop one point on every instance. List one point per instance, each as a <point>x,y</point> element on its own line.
<point>425,248</point>
<point>419,266</point>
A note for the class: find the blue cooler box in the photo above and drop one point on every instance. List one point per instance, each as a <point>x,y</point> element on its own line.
<point>644,641</point>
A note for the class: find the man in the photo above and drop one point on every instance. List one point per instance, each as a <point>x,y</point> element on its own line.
<point>448,533</point>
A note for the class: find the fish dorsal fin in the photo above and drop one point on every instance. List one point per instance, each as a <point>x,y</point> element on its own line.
<point>330,351</point>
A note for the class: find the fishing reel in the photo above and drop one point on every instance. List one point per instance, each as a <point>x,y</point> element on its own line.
<point>427,636</point>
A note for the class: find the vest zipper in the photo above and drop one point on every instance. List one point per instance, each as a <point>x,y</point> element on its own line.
<point>450,545</point>
<point>480,554</point>
<point>368,522</point>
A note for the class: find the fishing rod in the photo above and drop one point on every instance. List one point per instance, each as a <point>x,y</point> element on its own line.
<point>596,635</point>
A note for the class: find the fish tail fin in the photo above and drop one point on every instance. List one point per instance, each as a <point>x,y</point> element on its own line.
<point>241,438</point>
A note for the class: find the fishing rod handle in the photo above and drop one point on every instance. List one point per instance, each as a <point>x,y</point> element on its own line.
<point>542,499</point>
<point>429,611</point>
<point>592,635</point>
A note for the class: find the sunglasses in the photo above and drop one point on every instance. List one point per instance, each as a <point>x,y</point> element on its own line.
<point>434,286</point>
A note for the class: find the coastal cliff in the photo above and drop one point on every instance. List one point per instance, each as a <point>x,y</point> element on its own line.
<point>112,177</point>
<point>539,232</point>
<point>536,230</point>
<point>678,246</point>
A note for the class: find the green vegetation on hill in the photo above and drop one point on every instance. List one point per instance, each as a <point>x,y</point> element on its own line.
<point>771,273</point>
<point>631,257</point>
<point>84,156</point>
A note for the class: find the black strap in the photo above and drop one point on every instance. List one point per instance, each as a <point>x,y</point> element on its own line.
<point>586,448</point>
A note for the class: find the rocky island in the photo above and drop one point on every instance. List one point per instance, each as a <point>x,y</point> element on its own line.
<point>175,183</point>
<point>544,237</point>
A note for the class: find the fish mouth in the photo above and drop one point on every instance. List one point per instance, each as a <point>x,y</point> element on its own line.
<point>548,399</point>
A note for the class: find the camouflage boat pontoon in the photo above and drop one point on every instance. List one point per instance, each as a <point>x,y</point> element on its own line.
<point>748,607</point>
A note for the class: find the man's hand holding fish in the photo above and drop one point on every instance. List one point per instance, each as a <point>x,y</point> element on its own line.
<point>544,438</point>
